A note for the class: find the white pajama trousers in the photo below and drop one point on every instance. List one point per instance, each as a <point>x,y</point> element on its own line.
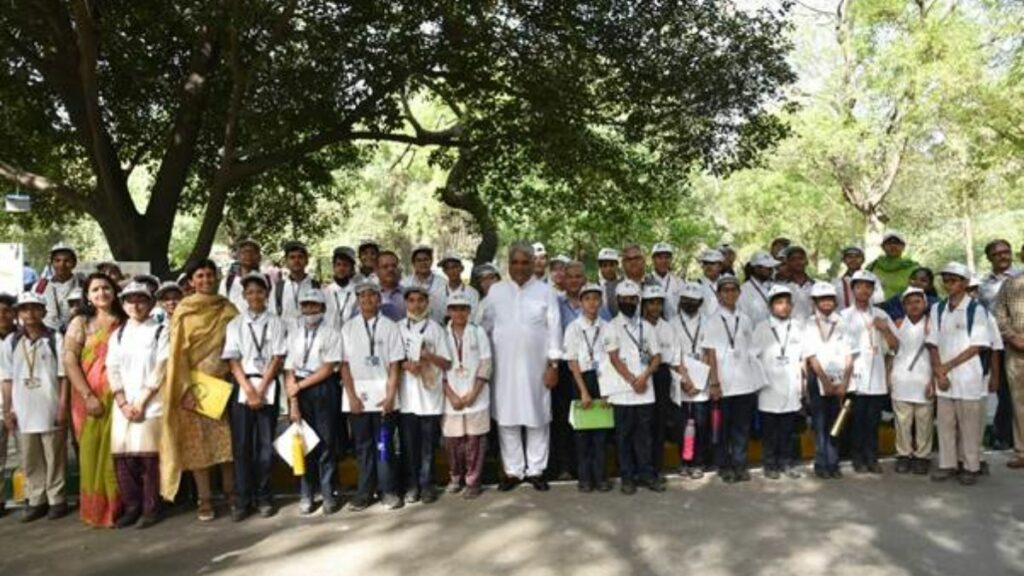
<point>520,463</point>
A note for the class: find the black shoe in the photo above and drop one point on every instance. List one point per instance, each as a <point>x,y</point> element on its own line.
<point>266,510</point>
<point>359,503</point>
<point>509,483</point>
<point>859,468</point>
<point>968,478</point>
<point>539,483</point>
<point>428,495</point>
<point>330,506</point>
<point>127,519</point>
<point>412,496</point>
<point>3,505</point>
<point>628,487</point>
<point>728,476</point>
<point>875,468</point>
<point>604,486</point>
<point>943,474</point>
<point>921,466</point>
<point>835,474</point>
<point>392,501</point>
<point>471,492</point>
<point>585,487</point>
<point>58,511</point>
<point>33,513</point>
<point>240,513</point>
<point>821,474</point>
<point>772,474</point>
<point>902,465</point>
<point>655,485</point>
<point>743,476</point>
<point>148,520</point>
<point>984,468</point>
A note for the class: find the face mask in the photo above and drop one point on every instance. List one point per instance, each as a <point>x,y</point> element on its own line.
<point>313,319</point>
<point>690,308</point>
<point>628,309</point>
<point>416,317</point>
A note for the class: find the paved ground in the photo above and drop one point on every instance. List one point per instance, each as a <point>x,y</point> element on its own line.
<point>858,525</point>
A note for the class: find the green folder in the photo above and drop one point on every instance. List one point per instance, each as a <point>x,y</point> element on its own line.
<point>597,417</point>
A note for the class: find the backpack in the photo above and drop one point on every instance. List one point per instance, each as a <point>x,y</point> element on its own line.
<point>51,339</point>
<point>156,337</point>
<point>972,308</point>
<point>279,292</point>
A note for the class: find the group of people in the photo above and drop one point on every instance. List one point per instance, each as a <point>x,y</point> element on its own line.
<point>394,367</point>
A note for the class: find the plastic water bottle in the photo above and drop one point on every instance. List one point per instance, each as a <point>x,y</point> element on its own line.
<point>384,442</point>
<point>716,423</point>
<point>689,440</point>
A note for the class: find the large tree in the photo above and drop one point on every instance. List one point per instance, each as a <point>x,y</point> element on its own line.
<point>249,105</point>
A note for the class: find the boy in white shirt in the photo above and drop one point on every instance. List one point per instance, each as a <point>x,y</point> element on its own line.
<point>36,405</point>
<point>733,381</point>
<point>370,371</point>
<point>690,328</point>
<point>451,265</point>
<point>314,350</point>
<point>136,366</point>
<point>634,355</point>
<point>467,418</point>
<point>666,413</point>
<point>870,333</point>
<point>340,294</point>
<point>254,348</point>
<point>829,369</point>
<point>754,292</point>
<point>910,378</point>
<point>778,345</point>
<point>294,281</point>
<point>584,350</point>
<point>960,330</point>
<point>421,393</point>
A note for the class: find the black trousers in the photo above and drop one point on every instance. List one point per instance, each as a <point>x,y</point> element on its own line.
<point>419,436</point>
<point>633,436</point>
<point>590,444</point>
<point>824,411</point>
<point>666,417</point>
<point>376,470</point>
<point>252,447</point>
<point>867,416</point>
<point>731,450</point>
<point>777,439</point>
<point>1002,425</point>
<point>700,412</point>
<point>562,456</point>
<point>320,408</point>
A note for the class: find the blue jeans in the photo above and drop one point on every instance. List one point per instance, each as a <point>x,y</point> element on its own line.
<point>824,410</point>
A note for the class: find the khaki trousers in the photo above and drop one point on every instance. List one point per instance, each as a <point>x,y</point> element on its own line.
<point>43,461</point>
<point>1015,382</point>
<point>960,433</point>
<point>914,428</point>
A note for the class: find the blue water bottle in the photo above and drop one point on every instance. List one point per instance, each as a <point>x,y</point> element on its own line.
<point>384,442</point>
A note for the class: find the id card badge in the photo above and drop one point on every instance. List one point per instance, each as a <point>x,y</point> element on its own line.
<point>260,364</point>
<point>595,366</point>
<point>645,358</point>
<point>461,371</point>
<point>782,361</point>
<point>373,361</point>
<point>737,354</point>
<point>32,383</point>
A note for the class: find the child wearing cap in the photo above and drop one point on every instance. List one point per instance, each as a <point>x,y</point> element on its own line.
<point>421,393</point>
<point>733,382</point>
<point>778,345</point>
<point>910,378</point>
<point>960,331</point>
<point>55,289</point>
<point>666,412</point>
<point>829,369</point>
<point>248,257</point>
<point>167,298</point>
<point>36,405</point>
<point>314,349</point>
<point>451,265</point>
<point>254,347</point>
<point>370,372</point>
<point>853,260</point>
<point>290,286</point>
<point>467,418</point>
<point>424,277</point>
<point>661,262</point>
<point>340,294</point>
<point>136,367</point>
<point>711,262</point>
<point>870,333</point>
<point>754,292</point>
<point>690,330</point>
<point>634,353</point>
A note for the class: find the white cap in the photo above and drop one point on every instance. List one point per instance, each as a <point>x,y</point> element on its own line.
<point>367,242</point>
<point>450,256</point>
<point>539,249</point>
<point>421,248</point>
<point>893,235</point>
<point>366,285</point>
<point>974,282</point>
<point>763,259</point>
<point>134,287</point>
<point>74,294</point>
<point>608,254</point>
<point>726,279</point>
<point>653,292</point>
<point>62,247</point>
<point>166,287</point>
<point>912,290</point>
<point>591,287</point>
<point>863,276</point>
<point>711,256</point>
<point>312,295</point>
<point>853,249</point>
<point>779,290</point>
<point>823,290</point>
<point>254,277</point>
<point>627,288</point>
<point>458,298</point>
<point>691,291</point>
<point>785,252</point>
<point>662,248</point>
<point>411,288</point>
<point>29,299</point>
<point>560,259</point>
<point>956,269</point>
<point>486,268</point>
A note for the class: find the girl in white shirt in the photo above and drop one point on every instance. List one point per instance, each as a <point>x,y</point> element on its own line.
<point>910,377</point>
<point>829,368</point>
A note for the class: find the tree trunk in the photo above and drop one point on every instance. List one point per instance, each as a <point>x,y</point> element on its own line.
<point>457,194</point>
<point>969,240</point>
<point>873,230</point>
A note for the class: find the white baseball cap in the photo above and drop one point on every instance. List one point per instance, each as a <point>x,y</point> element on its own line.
<point>956,269</point>
<point>763,259</point>
<point>366,285</point>
<point>591,287</point>
<point>662,248</point>
<point>539,249</point>
<point>136,288</point>
<point>30,299</point>
<point>853,249</point>
<point>691,291</point>
<point>713,256</point>
<point>823,290</point>
<point>911,291</point>
<point>653,292</point>
<point>627,288</point>
<point>450,256</point>
<point>863,276</point>
<point>458,298</point>
<point>607,254</point>
<point>893,235</point>
<point>725,280</point>
<point>779,290</point>
<point>314,296</point>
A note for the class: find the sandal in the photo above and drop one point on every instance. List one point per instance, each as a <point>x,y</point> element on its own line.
<point>206,511</point>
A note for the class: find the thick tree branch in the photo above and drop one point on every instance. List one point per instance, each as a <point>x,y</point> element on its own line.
<point>41,184</point>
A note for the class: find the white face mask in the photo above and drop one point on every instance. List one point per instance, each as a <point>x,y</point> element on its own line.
<point>313,319</point>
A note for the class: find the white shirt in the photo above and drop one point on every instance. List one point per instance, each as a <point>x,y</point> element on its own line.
<point>951,338</point>
<point>633,339</point>
<point>526,332</point>
<point>371,346</point>
<point>844,293</point>
<point>471,294</point>
<point>825,340</point>
<point>583,342</point>
<point>56,295</point>
<point>254,341</point>
<point>309,348</point>
<point>671,285</point>
<point>35,394</point>
<point>435,285</point>
<point>467,355</point>
<point>754,300</point>
<point>689,333</point>
<point>710,304</point>
<point>868,347</point>
<point>342,304</point>
<point>423,394</point>
<point>911,366</point>
<point>237,293</point>
<point>803,306</point>
<point>778,346</point>
<point>289,310</point>
<point>133,352</point>
<point>729,335</point>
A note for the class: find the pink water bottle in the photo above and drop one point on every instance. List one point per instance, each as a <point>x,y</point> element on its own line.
<point>689,440</point>
<point>716,423</point>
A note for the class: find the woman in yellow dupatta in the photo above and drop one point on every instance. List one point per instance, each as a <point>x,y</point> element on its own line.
<point>191,441</point>
<point>85,362</point>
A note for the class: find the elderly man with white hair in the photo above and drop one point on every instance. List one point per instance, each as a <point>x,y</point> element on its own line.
<point>522,316</point>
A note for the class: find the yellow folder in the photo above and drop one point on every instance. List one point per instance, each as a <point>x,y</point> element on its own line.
<point>212,394</point>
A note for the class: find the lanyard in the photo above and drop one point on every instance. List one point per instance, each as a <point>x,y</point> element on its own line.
<point>308,345</point>
<point>587,341</point>
<point>868,327</point>
<point>30,359</point>
<point>372,335</point>
<point>924,344</point>
<point>639,343</point>
<point>832,328</point>
<point>733,334</point>
<point>782,345</point>
<point>759,291</point>
<point>459,341</point>
<point>847,297</point>
<point>693,337</point>
<point>408,324</point>
<point>263,340</point>
<point>341,306</point>
<point>668,281</point>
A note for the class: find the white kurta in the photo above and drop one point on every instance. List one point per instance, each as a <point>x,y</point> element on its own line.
<point>526,332</point>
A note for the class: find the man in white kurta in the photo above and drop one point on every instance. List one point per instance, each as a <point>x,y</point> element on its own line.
<point>521,314</point>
